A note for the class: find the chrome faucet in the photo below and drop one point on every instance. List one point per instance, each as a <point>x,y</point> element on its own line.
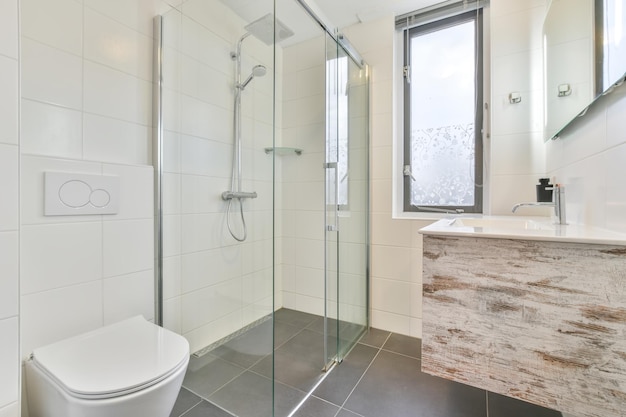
<point>558,202</point>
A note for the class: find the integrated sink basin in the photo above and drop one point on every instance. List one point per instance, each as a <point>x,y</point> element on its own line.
<point>491,223</point>
<point>518,227</point>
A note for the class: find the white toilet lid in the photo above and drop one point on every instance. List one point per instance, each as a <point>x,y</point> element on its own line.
<point>113,360</point>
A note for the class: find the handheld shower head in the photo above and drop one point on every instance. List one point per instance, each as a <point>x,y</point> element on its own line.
<point>257,71</point>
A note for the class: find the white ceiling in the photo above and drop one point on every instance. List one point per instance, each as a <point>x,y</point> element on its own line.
<point>336,14</point>
<point>344,13</point>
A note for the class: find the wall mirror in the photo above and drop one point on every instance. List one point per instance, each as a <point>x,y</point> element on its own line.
<point>584,43</point>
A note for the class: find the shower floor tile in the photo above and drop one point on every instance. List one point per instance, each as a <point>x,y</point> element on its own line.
<point>381,377</point>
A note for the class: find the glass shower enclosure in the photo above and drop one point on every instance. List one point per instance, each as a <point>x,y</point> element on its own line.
<point>262,203</point>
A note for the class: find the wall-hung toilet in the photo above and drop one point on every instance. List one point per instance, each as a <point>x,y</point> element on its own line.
<point>131,368</point>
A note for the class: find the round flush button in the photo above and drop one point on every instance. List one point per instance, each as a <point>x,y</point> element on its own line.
<point>75,193</point>
<point>99,198</point>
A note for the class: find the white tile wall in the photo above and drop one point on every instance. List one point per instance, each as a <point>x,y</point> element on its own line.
<point>86,107</point>
<point>9,210</point>
<point>589,159</point>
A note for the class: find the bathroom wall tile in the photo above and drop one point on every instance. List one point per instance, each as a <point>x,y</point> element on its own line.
<point>415,328</point>
<point>311,305</point>
<point>9,28</point>
<point>172,315</point>
<point>171,184</point>
<point>136,191</point>
<point>115,94</point>
<point>9,361</point>
<point>202,44</point>
<point>10,410</point>
<point>205,157</point>
<point>310,224</point>
<point>514,72</point>
<point>51,130</point>
<point>381,196</point>
<point>309,253</point>
<point>49,316</point>
<point>51,75</point>
<point>113,44</point>
<point>381,94</point>
<point>171,152</point>
<point>208,304</point>
<point>203,231</point>
<point>57,255</point>
<point>8,99</point>
<point>517,118</point>
<point>172,280</point>
<point>116,141</point>
<point>616,125</point>
<point>507,190</point>
<point>391,322</point>
<point>136,15</point>
<point>310,281</point>
<point>58,23</point>
<point>200,194</point>
<point>206,268</point>
<point>391,296</point>
<point>519,154</point>
<point>217,17</point>
<point>615,190</point>
<point>9,262</point>
<point>172,232</point>
<point>204,120</point>
<point>128,295</point>
<point>127,246</point>
<point>32,186</point>
<point>391,232</point>
<point>204,83</point>
<point>391,262</point>
<point>508,27</point>
<point>8,187</point>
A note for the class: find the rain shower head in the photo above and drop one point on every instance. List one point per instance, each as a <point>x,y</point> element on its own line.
<point>262,28</point>
<point>257,71</point>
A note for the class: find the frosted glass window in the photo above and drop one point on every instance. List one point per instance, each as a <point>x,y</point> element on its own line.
<point>443,159</point>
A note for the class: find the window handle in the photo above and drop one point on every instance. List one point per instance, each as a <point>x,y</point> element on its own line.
<point>408,172</point>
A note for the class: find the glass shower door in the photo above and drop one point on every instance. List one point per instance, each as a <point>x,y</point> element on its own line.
<point>347,107</point>
<point>332,191</point>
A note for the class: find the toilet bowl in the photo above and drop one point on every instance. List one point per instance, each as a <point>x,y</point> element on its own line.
<point>131,368</point>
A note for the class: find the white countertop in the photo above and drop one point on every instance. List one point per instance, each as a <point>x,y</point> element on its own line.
<point>523,228</point>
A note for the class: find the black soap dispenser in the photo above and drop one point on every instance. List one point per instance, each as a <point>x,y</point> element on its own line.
<point>544,190</point>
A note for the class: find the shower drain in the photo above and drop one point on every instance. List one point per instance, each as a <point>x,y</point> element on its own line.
<point>230,337</point>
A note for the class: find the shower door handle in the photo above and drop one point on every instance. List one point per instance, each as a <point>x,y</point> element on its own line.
<point>335,197</point>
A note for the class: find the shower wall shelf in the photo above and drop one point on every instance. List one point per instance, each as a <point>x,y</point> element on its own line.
<point>282,150</point>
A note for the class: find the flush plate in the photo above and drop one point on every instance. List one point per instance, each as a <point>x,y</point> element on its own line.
<point>72,194</point>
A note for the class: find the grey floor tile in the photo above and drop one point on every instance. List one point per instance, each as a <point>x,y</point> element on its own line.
<point>248,348</point>
<point>395,386</point>
<point>206,409</point>
<point>348,413</point>
<point>185,400</point>
<point>294,318</point>
<point>314,407</point>
<point>404,345</point>
<point>502,406</point>
<point>207,374</point>
<point>375,337</point>
<point>298,363</point>
<point>338,385</point>
<point>250,395</point>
